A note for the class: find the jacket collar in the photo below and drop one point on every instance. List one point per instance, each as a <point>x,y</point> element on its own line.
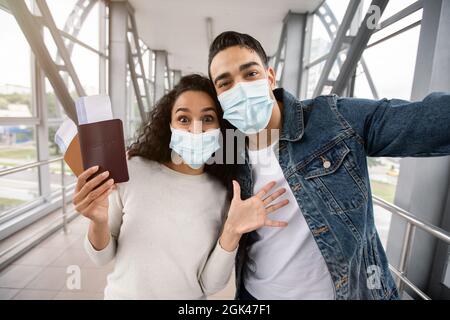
<point>292,115</point>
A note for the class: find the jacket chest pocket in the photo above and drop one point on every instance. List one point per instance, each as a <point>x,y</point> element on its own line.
<point>335,177</point>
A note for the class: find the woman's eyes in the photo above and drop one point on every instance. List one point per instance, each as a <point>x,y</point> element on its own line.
<point>186,120</point>
<point>208,119</point>
<point>252,74</point>
<point>183,119</point>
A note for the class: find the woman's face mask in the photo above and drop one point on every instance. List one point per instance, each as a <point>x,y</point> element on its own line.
<point>248,105</point>
<point>194,125</point>
<point>195,148</point>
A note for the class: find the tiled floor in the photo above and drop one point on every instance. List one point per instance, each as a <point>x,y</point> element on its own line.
<point>42,273</point>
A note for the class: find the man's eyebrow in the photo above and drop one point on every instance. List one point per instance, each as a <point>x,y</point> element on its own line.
<point>241,68</point>
<point>182,109</point>
<point>247,65</point>
<point>222,76</point>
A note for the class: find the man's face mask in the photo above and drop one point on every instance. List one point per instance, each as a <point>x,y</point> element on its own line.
<point>195,148</point>
<point>248,105</point>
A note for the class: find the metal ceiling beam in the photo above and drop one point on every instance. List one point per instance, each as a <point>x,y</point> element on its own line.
<point>62,50</point>
<point>356,49</point>
<point>337,45</point>
<point>31,29</point>
<point>137,69</point>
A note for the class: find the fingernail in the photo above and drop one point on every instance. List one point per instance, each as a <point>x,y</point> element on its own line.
<point>105,173</point>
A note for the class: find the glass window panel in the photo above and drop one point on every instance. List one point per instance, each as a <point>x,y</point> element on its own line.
<point>17,145</point>
<point>18,188</point>
<point>313,77</point>
<point>362,88</point>
<point>61,12</point>
<point>54,110</point>
<point>89,32</point>
<point>53,149</point>
<point>338,7</point>
<point>86,64</point>
<point>416,16</point>
<point>15,66</point>
<point>391,64</point>
<point>395,6</point>
<point>55,167</point>
<point>320,42</point>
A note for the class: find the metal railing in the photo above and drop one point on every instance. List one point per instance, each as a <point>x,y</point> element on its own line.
<point>412,223</point>
<point>8,255</point>
<point>63,186</point>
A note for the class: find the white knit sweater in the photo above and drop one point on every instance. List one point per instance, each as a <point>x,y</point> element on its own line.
<point>164,228</point>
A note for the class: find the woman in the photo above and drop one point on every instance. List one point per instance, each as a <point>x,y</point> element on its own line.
<point>168,227</point>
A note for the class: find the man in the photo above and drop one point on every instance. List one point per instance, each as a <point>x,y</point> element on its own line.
<point>330,248</point>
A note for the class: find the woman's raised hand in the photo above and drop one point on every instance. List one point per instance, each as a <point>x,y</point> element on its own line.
<point>251,214</point>
<point>91,197</point>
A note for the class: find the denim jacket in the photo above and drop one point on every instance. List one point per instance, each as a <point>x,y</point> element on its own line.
<point>323,147</point>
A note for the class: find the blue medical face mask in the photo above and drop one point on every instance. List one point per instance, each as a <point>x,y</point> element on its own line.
<point>248,105</point>
<point>195,148</point>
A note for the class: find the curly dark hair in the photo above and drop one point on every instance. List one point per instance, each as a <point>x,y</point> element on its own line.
<point>154,135</point>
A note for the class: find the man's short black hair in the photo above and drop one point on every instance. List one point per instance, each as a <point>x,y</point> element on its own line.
<point>232,38</point>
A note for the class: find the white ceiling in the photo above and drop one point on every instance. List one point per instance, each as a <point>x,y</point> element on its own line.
<point>179,27</point>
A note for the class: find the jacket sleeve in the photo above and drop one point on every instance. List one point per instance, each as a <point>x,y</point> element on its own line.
<point>399,128</point>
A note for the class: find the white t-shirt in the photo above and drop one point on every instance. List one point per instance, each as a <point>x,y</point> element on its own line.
<point>284,263</point>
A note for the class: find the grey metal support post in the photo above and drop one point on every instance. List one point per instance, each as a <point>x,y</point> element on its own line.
<point>160,69</point>
<point>293,60</point>
<point>306,56</point>
<point>118,58</point>
<point>63,198</point>
<point>102,47</point>
<point>424,184</point>
<point>40,105</point>
<point>168,74</point>
<point>151,78</point>
<point>176,77</point>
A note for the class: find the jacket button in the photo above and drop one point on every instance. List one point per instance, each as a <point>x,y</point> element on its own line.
<point>326,164</point>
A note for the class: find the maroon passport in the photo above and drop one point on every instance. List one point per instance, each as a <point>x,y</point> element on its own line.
<point>102,144</point>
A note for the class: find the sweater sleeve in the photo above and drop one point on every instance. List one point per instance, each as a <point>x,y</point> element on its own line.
<point>220,264</point>
<point>217,270</point>
<point>115,213</point>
